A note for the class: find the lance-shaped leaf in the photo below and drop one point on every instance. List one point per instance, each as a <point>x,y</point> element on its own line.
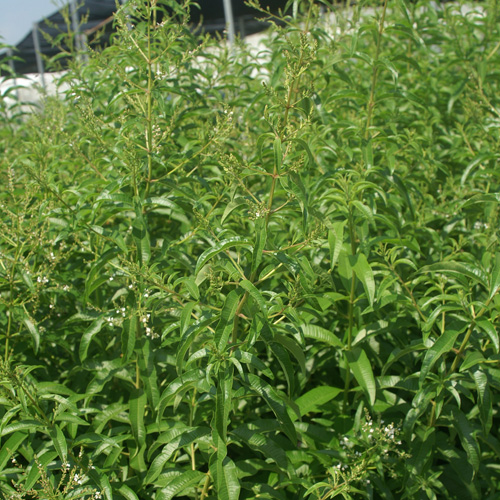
<point>35,334</point>
<point>137,409</point>
<point>260,243</point>
<point>256,295</point>
<point>225,324</point>
<point>59,442</point>
<point>261,442</point>
<point>127,493</point>
<point>321,334</point>
<point>220,247</point>
<point>140,234</point>
<point>180,484</point>
<point>362,371</point>
<point>275,403</point>
<point>128,337</point>
<point>10,446</point>
<point>365,274</point>
<point>95,277</point>
<point>225,475</point>
<point>35,472</point>
<point>335,241</point>
<point>467,438</point>
<point>313,399</point>
<point>442,345</point>
<point>183,382</point>
<point>223,400</point>
<point>184,439</point>
<point>87,337</point>
<point>458,270</point>
<point>495,278</point>
<point>485,402</point>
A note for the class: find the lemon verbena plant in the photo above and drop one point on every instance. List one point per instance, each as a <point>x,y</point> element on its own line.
<point>257,271</point>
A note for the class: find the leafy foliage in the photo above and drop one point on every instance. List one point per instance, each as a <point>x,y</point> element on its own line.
<point>236,273</point>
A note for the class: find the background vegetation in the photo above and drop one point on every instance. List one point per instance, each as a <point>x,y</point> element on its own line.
<point>227,273</point>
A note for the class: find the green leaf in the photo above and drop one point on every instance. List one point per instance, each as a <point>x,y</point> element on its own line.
<point>361,369</point>
<point>35,334</point>
<point>223,401</point>
<point>476,161</point>
<point>35,472</point>
<point>225,325</point>
<point>485,401</point>
<point>181,484</point>
<point>23,425</point>
<point>189,337</point>
<point>137,409</point>
<point>472,358</point>
<point>127,493</point>
<point>249,358</point>
<point>365,275</point>
<point>467,438</point>
<point>490,330</point>
<point>294,347</point>
<point>149,377</point>
<point>128,338</point>
<point>192,287</point>
<point>225,475</point>
<point>95,277</point>
<point>187,436</point>
<point>10,446</point>
<point>281,354</point>
<point>482,198</point>
<point>335,241</point>
<point>260,243</point>
<point>141,236</point>
<point>313,399</point>
<point>275,403</point>
<point>422,451</point>
<point>233,204</point>
<point>87,337</point>
<point>219,247</point>
<point>264,444</point>
<point>59,441</point>
<point>183,382</point>
<point>321,334</point>
<point>442,345</point>
<point>495,278</point>
<point>186,316</point>
<point>364,211</point>
<point>458,270</point>
<point>256,295</point>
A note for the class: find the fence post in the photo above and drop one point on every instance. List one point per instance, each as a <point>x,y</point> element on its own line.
<point>13,68</point>
<point>38,54</point>
<point>228,13</point>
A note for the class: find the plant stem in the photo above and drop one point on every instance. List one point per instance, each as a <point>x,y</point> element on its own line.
<point>149,116</point>
<point>375,70</point>
<point>204,492</point>
<point>352,237</point>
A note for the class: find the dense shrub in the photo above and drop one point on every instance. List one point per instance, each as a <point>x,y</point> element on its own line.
<point>250,273</point>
